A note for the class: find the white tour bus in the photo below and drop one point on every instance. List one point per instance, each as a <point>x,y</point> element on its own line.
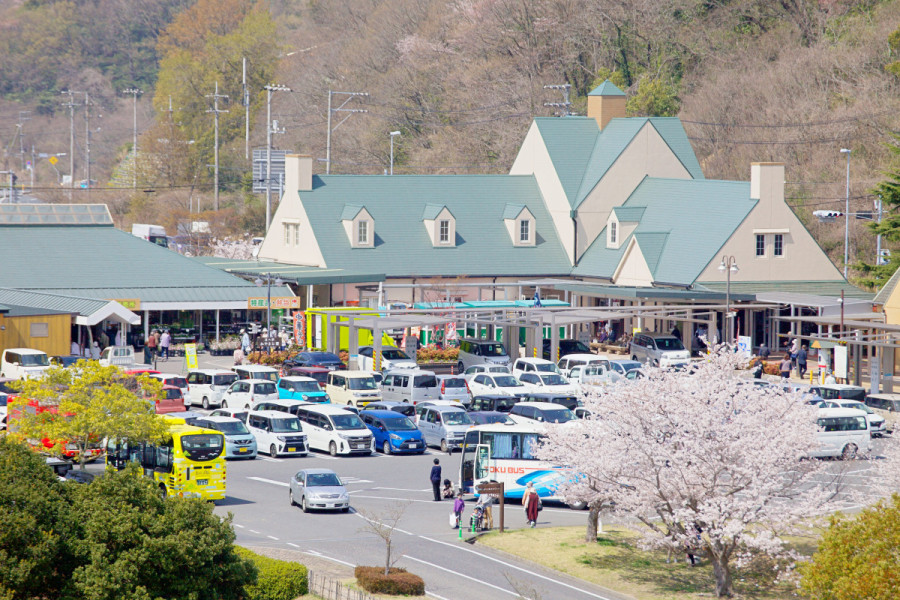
<point>843,432</point>
<point>503,453</point>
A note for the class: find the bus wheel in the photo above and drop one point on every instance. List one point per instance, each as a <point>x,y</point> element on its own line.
<point>163,491</point>
<point>848,452</point>
<point>205,403</point>
<point>332,449</point>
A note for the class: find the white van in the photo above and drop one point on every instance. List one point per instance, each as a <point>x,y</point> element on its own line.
<point>22,363</point>
<point>256,372</point>
<point>843,432</point>
<point>410,385</point>
<point>207,386</point>
<point>354,388</point>
<point>277,433</point>
<point>335,429</point>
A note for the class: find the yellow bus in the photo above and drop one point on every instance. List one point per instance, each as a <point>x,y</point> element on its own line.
<point>190,464</point>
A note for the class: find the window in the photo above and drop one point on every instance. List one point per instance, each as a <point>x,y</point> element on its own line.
<point>287,234</point>
<point>296,235</point>
<point>779,245</point>
<point>362,231</point>
<point>40,329</point>
<point>444,232</point>
<point>612,232</point>
<point>524,231</point>
<point>760,245</point>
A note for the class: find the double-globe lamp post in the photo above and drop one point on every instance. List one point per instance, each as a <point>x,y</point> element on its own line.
<point>268,281</point>
<point>728,266</point>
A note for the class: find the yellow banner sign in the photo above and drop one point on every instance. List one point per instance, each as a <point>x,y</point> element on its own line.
<point>286,302</point>
<point>129,303</point>
<point>190,355</point>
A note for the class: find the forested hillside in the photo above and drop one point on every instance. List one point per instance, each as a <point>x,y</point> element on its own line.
<point>753,80</point>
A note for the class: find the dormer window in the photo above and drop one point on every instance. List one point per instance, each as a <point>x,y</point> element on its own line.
<point>524,231</point>
<point>444,231</point>
<point>520,224</point>
<point>440,224</point>
<point>362,233</point>
<point>359,226</point>
<point>612,233</point>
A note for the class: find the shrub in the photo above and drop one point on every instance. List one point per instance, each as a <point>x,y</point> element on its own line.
<point>374,581</point>
<point>277,579</point>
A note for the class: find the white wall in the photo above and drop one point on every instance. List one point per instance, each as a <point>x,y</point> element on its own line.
<point>633,269</point>
<point>273,248</point>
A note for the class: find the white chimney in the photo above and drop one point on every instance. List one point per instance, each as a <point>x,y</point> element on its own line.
<point>767,181</point>
<point>298,172</point>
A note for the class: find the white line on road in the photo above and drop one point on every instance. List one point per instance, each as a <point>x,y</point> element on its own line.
<point>433,595</point>
<point>253,531</point>
<point>236,525</point>
<point>512,566</point>
<point>458,574</point>
<point>292,545</point>
<point>272,481</point>
<point>364,518</point>
<point>320,555</point>
<point>273,459</point>
<point>386,498</point>
<point>401,489</point>
<point>272,537</point>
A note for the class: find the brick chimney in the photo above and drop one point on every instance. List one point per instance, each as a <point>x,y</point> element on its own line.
<point>606,102</point>
<point>298,172</point>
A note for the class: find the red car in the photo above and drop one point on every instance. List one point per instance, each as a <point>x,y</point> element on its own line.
<point>320,374</point>
<point>170,399</point>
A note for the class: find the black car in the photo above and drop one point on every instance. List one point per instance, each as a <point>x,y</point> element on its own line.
<point>487,417</point>
<point>493,403</point>
<point>570,402</point>
<point>566,347</point>
<point>327,360</point>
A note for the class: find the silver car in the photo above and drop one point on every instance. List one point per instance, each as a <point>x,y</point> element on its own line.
<point>659,350</point>
<point>319,489</point>
<point>239,442</point>
<point>454,387</point>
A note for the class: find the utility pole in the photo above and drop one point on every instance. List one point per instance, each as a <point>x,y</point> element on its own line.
<point>23,116</point>
<point>878,258</point>
<point>245,100</point>
<point>134,147</point>
<point>71,106</point>
<point>215,110</point>
<point>269,131</point>
<point>350,96</point>
<point>87,141</point>
<point>565,104</point>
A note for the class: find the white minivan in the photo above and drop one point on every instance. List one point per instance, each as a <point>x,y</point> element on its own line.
<point>843,433</point>
<point>277,433</point>
<point>22,363</point>
<point>336,430</point>
<point>207,386</point>
<point>410,385</point>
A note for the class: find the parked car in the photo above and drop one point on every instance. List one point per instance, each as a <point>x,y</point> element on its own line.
<point>570,401</point>
<point>277,433</point>
<point>885,402</point>
<point>354,388</point>
<point>239,442</point>
<point>335,430</point>
<point>548,382</point>
<point>490,383</point>
<point>410,385</point>
<point>622,366</point>
<point>542,412</point>
<point>567,363</point>
<point>320,374</point>
<point>22,363</point>
<point>65,361</point>
<point>169,400</point>
<point>659,350</point>
<point>391,358</point>
<point>248,392</point>
<point>279,404</point>
<point>325,360</point>
<point>444,426</point>
<point>393,432</point>
<point>843,433</point>
<point>587,376</point>
<point>319,489</point>
<point>301,388</point>
<point>476,352</point>
<point>470,373</point>
<point>488,417</point>
<point>566,347</point>
<point>4,399</point>
<point>234,413</point>
<point>256,372</point>
<point>178,381</point>
<point>493,403</point>
<point>534,365</point>
<point>835,391</point>
<point>877,423</point>
<point>207,386</point>
<point>400,407</point>
<point>454,387</point>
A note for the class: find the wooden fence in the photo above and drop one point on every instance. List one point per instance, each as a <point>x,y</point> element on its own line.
<point>333,589</point>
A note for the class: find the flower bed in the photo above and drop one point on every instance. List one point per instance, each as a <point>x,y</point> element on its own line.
<point>433,354</point>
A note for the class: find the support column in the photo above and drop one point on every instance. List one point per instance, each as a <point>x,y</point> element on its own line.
<point>217,325</point>
<point>146,325</point>
<point>887,368</point>
<point>377,334</point>
<point>554,340</point>
<point>539,341</point>
<point>309,296</point>
<point>352,344</point>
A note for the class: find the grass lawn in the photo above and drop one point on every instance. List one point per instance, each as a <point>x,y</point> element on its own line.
<point>617,563</point>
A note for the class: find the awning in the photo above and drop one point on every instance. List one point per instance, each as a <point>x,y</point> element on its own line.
<point>295,274</point>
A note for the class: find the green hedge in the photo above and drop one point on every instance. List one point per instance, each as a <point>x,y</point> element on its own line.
<point>277,580</point>
<point>373,580</point>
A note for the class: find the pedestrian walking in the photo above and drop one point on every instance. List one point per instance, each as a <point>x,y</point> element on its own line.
<point>795,349</point>
<point>531,503</point>
<point>801,361</point>
<point>151,345</point>
<point>245,341</point>
<point>165,340</point>
<point>785,367</point>
<point>676,332</point>
<point>436,480</point>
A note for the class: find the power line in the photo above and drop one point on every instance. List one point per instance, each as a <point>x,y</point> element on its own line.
<point>781,143</point>
<point>784,125</point>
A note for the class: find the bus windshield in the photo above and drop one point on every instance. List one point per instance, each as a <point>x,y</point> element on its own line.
<point>202,446</point>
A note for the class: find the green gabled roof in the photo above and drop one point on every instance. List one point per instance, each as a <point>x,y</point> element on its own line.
<point>433,210</point>
<point>631,214</point>
<point>350,211</point>
<point>511,211</point>
<point>403,246</point>
<point>616,137</point>
<point>59,303</point>
<point>569,142</point>
<point>652,245</point>
<point>672,206</point>
<point>296,274</point>
<point>819,288</point>
<point>607,88</point>
<point>887,289</point>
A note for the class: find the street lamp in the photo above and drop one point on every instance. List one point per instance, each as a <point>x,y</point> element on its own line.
<point>393,133</point>
<point>847,151</point>
<point>268,281</point>
<point>728,266</point>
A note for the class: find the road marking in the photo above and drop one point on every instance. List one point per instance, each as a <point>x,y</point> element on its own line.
<point>381,523</point>
<point>272,537</point>
<point>236,525</point>
<point>355,480</point>
<point>320,555</point>
<point>458,574</point>
<point>272,481</point>
<point>292,545</point>
<point>267,459</point>
<point>253,531</point>
<point>386,498</point>
<point>433,595</point>
<point>401,489</point>
<point>512,566</point>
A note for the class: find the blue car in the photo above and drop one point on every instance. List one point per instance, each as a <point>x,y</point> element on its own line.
<point>394,432</point>
<point>305,389</point>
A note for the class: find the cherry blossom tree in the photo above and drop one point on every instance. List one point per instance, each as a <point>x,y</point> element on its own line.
<point>238,249</point>
<point>703,459</point>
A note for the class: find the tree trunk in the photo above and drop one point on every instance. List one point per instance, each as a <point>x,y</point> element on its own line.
<point>593,522</point>
<point>387,561</point>
<point>722,572</point>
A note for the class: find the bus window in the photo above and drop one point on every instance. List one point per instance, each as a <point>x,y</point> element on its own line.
<point>164,459</point>
<point>481,460</point>
<point>529,444</point>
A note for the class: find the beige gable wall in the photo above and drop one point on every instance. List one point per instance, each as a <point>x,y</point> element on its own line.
<point>633,269</point>
<point>432,227</point>
<point>533,159</point>
<point>352,227</point>
<point>803,259</point>
<point>290,210</point>
<point>647,154</point>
